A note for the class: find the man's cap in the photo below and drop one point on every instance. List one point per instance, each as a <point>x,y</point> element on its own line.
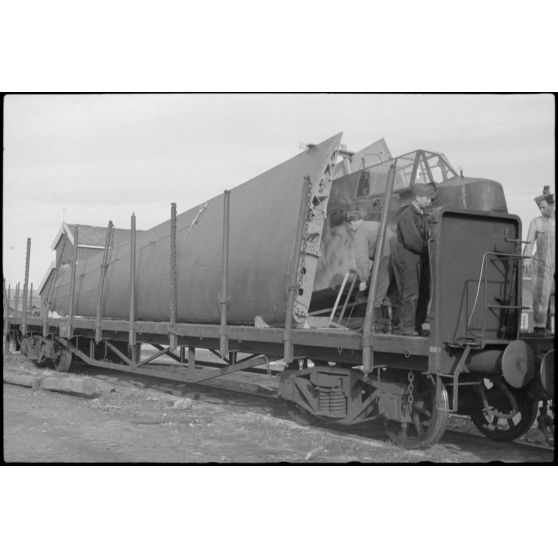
<point>429,190</point>
<point>546,195</point>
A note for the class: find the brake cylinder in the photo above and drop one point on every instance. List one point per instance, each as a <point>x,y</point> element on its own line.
<point>516,363</point>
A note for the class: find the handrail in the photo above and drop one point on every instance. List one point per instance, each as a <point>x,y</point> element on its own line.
<point>483,278</point>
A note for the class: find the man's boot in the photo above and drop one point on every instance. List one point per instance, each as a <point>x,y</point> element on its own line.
<point>395,321</point>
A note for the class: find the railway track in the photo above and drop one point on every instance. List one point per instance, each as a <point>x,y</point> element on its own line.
<point>239,395</point>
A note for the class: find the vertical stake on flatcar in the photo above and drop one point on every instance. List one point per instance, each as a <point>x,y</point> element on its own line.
<point>223,298</point>
<point>16,301</point>
<point>172,318</point>
<point>70,332</point>
<point>367,357</point>
<point>132,332</point>
<point>102,276</point>
<point>288,350</point>
<point>26,288</point>
<point>6,316</point>
<point>48,304</point>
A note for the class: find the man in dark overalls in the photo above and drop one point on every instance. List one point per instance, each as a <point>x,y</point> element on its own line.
<point>410,264</point>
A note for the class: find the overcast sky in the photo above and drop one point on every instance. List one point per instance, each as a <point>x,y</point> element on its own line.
<point>98,157</point>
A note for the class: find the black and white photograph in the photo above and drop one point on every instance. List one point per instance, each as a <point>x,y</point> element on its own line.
<point>278,278</point>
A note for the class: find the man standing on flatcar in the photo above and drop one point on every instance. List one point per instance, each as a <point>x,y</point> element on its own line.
<point>541,265</point>
<point>410,263</point>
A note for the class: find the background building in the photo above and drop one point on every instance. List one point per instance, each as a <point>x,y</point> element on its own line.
<point>91,241</point>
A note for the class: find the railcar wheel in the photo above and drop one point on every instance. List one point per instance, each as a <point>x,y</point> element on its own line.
<point>40,363</point>
<point>429,419</point>
<point>510,428</point>
<point>63,361</point>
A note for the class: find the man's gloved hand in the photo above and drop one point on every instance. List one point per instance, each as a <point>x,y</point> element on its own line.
<point>362,286</point>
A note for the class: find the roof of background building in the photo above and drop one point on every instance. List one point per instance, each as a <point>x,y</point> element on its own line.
<point>89,236</point>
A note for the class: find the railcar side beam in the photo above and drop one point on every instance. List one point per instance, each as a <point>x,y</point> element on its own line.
<point>406,347</point>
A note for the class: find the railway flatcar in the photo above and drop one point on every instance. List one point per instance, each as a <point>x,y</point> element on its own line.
<point>262,272</point>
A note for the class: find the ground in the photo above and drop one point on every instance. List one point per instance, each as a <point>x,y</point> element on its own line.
<point>129,424</point>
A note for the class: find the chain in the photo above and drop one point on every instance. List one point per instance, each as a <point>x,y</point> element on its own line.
<point>411,398</point>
